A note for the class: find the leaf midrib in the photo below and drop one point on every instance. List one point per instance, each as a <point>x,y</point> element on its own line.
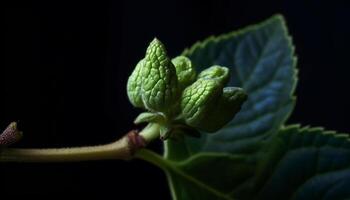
<point>171,165</point>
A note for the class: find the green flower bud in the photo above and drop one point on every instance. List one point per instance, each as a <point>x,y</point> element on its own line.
<point>159,87</point>
<point>134,86</point>
<point>198,99</point>
<point>206,104</point>
<point>185,72</point>
<point>216,72</point>
<point>177,102</point>
<point>227,106</point>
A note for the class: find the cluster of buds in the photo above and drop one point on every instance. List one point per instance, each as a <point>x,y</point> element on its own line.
<point>178,99</point>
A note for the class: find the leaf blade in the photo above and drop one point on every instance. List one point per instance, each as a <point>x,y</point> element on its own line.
<point>268,75</point>
<point>305,155</point>
<point>186,177</point>
<point>298,163</point>
<point>271,102</point>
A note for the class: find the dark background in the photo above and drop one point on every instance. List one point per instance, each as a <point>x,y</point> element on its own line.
<point>64,68</point>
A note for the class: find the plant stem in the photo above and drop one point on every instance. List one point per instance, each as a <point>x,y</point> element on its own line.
<point>115,150</point>
<point>150,132</point>
<point>123,148</point>
<point>152,158</point>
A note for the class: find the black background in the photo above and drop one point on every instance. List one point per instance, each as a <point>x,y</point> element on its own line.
<point>64,68</point>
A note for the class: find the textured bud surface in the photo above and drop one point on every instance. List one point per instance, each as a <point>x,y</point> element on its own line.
<point>220,74</point>
<point>206,104</point>
<point>198,99</point>
<point>227,106</point>
<point>134,86</point>
<point>10,135</point>
<point>159,80</point>
<point>185,72</point>
<point>177,101</point>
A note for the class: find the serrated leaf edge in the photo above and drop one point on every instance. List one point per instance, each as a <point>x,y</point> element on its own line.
<point>235,33</point>
<point>299,129</point>
<point>320,129</point>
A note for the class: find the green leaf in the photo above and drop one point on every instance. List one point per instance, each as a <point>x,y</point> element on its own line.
<point>297,164</point>
<point>261,61</point>
<point>208,176</point>
<point>205,175</point>
<point>304,163</point>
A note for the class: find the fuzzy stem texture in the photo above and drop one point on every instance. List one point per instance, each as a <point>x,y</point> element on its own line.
<point>123,148</point>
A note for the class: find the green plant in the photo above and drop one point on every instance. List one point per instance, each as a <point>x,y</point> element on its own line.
<point>207,154</point>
